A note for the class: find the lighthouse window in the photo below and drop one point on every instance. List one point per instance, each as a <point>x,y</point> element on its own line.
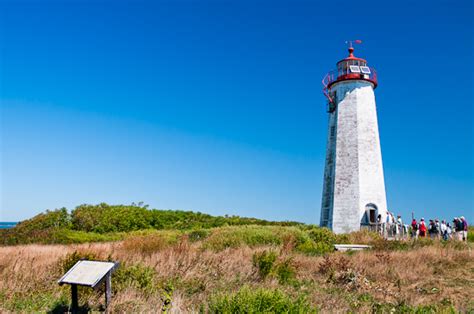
<point>333,131</point>
<point>365,70</point>
<point>355,69</point>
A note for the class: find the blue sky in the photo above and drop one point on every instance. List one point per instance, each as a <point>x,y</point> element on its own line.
<point>216,106</point>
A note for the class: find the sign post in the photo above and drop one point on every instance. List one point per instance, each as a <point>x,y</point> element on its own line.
<point>89,274</point>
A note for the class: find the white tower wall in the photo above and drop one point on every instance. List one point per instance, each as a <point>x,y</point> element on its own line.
<point>353,175</point>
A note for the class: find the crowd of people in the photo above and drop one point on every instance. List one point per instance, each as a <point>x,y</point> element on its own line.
<point>435,229</point>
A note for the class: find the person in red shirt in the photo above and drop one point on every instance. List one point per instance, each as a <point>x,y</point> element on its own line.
<point>422,228</point>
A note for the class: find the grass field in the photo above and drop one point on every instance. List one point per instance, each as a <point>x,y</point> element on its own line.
<point>246,269</point>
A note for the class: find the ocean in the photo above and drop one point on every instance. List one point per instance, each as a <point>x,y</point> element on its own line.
<point>7,225</point>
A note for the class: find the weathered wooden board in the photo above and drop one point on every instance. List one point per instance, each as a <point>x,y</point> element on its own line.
<point>87,273</point>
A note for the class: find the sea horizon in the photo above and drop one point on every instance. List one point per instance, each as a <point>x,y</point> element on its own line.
<point>7,224</point>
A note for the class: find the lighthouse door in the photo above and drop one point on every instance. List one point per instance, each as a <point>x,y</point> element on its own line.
<point>370,221</point>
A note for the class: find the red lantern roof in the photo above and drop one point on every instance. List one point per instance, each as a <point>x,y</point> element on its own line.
<point>350,68</point>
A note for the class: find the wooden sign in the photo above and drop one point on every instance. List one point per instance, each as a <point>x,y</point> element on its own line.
<point>89,274</point>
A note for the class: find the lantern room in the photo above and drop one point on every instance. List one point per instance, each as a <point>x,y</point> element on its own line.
<point>350,68</point>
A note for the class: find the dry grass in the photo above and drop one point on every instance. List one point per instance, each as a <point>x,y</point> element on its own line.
<point>190,274</point>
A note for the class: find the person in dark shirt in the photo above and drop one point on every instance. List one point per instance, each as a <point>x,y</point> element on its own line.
<point>433,229</point>
<point>465,227</point>
<point>458,228</point>
<point>414,228</point>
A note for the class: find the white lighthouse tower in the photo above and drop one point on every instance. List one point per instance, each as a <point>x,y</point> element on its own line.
<point>353,188</point>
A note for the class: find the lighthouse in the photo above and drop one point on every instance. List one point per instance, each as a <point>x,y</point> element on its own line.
<point>353,187</point>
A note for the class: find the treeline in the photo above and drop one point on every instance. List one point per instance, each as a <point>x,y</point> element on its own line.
<point>102,219</point>
<point>122,218</point>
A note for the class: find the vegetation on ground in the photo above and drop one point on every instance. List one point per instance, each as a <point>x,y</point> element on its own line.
<point>236,266</point>
<point>260,300</point>
<point>182,276</point>
<point>103,222</point>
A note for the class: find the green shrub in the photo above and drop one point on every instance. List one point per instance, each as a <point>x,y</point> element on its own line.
<point>122,218</point>
<point>322,235</point>
<point>470,235</point>
<point>249,300</point>
<point>321,241</point>
<point>311,248</point>
<point>198,235</point>
<point>343,238</point>
<point>104,218</point>
<point>285,271</point>
<point>41,228</point>
<point>58,218</point>
<point>233,236</point>
<point>135,276</point>
<point>264,261</point>
<point>404,308</point>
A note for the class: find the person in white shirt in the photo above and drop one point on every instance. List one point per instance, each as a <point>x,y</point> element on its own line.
<point>449,230</point>
<point>444,230</point>
<point>399,230</point>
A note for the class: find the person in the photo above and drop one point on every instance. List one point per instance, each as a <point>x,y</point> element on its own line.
<point>379,219</point>
<point>465,227</point>
<point>400,230</point>
<point>438,228</point>
<point>458,226</point>
<point>455,225</point>
<point>393,223</point>
<point>414,229</point>
<point>449,230</point>
<point>379,224</point>
<point>422,228</point>
<point>387,225</point>
<point>444,230</point>
<point>433,229</point>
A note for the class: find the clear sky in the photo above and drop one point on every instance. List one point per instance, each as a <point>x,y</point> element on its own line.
<point>216,106</point>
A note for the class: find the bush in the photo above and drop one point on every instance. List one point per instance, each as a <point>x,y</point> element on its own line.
<point>311,248</point>
<point>470,235</point>
<point>285,271</point>
<point>226,237</point>
<point>135,276</point>
<point>264,261</point>
<point>58,218</point>
<point>404,308</point>
<point>260,300</point>
<point>104,218</point>
<point>198,235</point>
<point>322,235</point>
<point>322,241</point>
<point>41,228</point>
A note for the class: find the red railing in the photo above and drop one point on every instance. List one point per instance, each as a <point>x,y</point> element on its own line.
<point>343,75</point>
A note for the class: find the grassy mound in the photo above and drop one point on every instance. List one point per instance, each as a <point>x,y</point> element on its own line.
<point>103,222</point>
